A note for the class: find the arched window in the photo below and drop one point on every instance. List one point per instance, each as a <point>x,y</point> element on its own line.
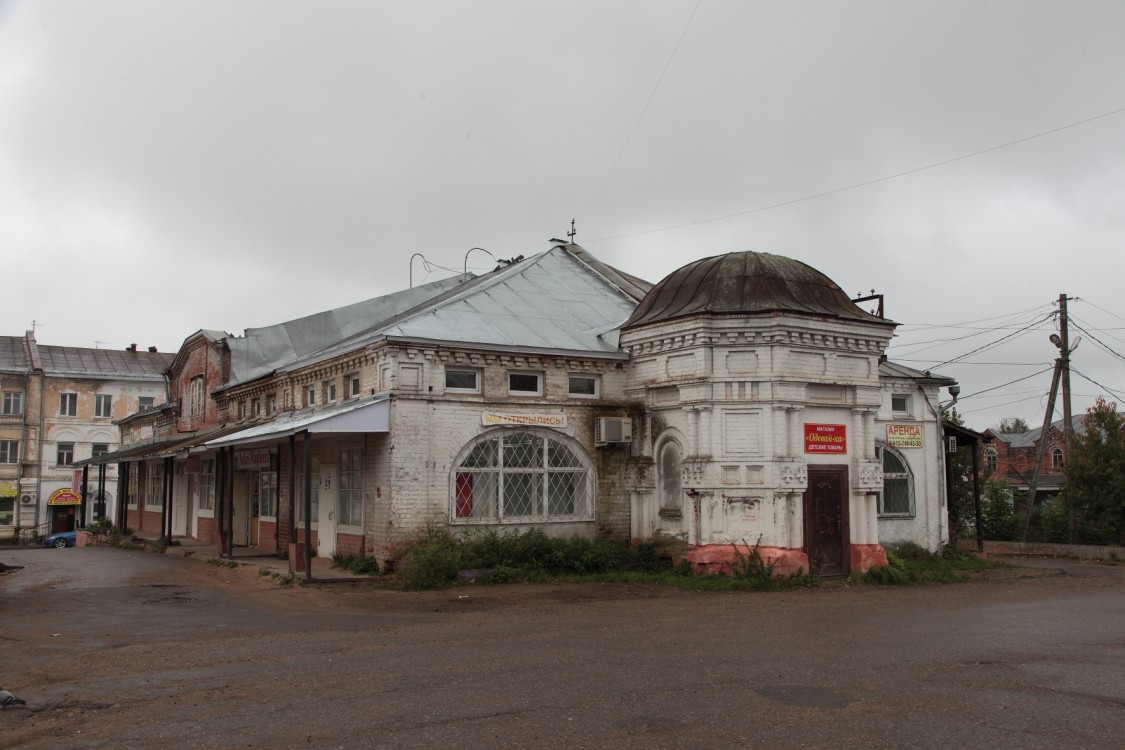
<point>897,497</point>
<point>670,462</point>
<point>1056,457</point>
<point>522,476</point>
<point>990,459</point>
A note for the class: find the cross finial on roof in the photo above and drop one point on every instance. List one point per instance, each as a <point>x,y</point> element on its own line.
<point>572,232</point>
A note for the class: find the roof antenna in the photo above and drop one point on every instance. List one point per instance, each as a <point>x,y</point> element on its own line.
<point>490,255</point>
<point>571,234</point>
<point>412,257</point>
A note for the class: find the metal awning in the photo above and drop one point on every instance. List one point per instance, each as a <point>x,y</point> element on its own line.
<point>370,414</point>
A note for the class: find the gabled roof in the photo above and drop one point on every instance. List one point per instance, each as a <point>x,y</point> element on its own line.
<point>24,354</point>
<point>563,300</point>
<point>1031,437</point>
<point>261,351</point>
<point>555,302</point>
<point>888,369</point>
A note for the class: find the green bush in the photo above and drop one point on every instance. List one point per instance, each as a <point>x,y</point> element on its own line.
<point>435,558</point>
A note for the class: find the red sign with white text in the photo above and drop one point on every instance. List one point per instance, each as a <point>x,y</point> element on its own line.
<point>826,438</point>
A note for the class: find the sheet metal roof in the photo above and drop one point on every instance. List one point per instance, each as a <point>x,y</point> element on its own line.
<point>888,369</point>
<point>263,350</point>
<point>555,301</point>
<point>81,361</point>
<point>370,414</point>
<point>746,283</point>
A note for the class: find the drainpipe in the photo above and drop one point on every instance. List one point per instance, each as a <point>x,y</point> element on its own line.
<point>42,427</point>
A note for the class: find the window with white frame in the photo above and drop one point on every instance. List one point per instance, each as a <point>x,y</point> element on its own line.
<point>145,403</point>
<point>207,485</point>
<point>256,407</point>
<point>154,484</point>
<point>329,391</point>
<point>9,451</point>
<point>271,404</point>
<point>990,459</point>
<point>314,492</point>
<point>462,380</point>
<point>583,386</point>
<point>242,410</point>
<point>64,454</point>
<point>12,403</point>
<point>525,384</point>
<point>901,403</point>
<point>310,395</point>
<point>97,450</point>
<point>522,476</point>
<point>350,497</point>
<point>68,404</point>
<point>1056,457</point>
<point>353,385</point>
<point>195,397</point>
<point>103,405</point>
<point>897,497</point>
<point>268,494</point>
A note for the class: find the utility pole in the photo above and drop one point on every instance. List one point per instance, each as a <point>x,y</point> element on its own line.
<point>1064,349</point>
<point>1033,486</point>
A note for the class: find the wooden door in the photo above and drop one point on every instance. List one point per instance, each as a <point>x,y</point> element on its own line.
<point>826,520</point>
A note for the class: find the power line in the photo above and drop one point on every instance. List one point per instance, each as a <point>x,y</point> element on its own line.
<point>1099,342</point>
<point>979,320</point>
<point>980,332</point>
<point>1091,304</point>
<point>1008,364</point>
<point>857,185</point>
<point>996,342</point>
<point>644,109</point>
<point>1011,382</point>
<point>1099,385</point>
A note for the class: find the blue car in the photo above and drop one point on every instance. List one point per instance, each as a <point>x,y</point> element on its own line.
<point>65,539</point>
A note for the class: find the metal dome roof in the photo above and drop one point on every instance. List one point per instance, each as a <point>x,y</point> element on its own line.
<point>745,283</point>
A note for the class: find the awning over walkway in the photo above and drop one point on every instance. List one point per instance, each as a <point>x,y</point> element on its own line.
<point>370,414</point>
<point>173,445</point>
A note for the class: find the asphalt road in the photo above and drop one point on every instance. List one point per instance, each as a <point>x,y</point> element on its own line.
<point>130,649</point>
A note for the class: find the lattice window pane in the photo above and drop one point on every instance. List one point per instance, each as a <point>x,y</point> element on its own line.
<point>482,455</point>
<point>896,495</point>
<point>561,456</point>
<point>521,494</point>
<point>523,450</point>
<point>476,494</point>
<point>892,464</point>
<point>566,493</point>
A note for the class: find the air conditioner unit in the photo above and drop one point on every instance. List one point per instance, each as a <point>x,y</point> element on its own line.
<point>609,430</point>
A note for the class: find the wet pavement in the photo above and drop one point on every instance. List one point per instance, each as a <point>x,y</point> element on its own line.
<point>115,648</point>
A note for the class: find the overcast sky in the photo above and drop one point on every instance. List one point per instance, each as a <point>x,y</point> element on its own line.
<point>170,166</point>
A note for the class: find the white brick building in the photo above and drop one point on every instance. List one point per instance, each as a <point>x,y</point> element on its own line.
<point>743,400</point>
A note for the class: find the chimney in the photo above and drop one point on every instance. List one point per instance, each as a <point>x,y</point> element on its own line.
<point>131,348</point>
<point>152,349</point>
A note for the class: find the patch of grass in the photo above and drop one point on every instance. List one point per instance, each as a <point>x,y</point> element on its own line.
<point>232,564</point>
<point>263,571</point>
<point>910,563</point>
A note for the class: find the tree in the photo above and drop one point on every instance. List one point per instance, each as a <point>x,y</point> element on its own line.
<point>961,485</point>
<point>1095,468</point>
<point>1012,425</point>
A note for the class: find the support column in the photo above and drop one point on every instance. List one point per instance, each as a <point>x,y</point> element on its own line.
<point>796,433</point>
<point>780,435</point>
<point>704,425</point>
